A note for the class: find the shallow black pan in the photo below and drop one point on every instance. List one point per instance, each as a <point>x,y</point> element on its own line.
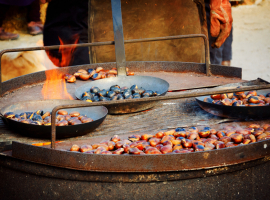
<point>241,112</point>
<point>98,114</point>
<point>147,82</point>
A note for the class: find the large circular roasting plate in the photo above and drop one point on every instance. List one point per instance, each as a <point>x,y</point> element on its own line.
<point>97,113</point>
<point>242,112</point>
<point>146,82</point>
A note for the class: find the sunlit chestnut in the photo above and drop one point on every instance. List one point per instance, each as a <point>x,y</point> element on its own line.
<point>70,78</point>
<point>213,136</point>
<point>99,150</point>
<point>220,145</point>
<point>225,139</point>
<point>74,114</point>
<point>186,143</point>
<point>193,136</point>
<point>230,95</point>
<point>204,133</point>
<point>177,147</point>
<point>154,141</point>
<point>208,146</point>
<point>46,114</point>
<point>167,143</point>
<point>103,74</point>
<point>223,96</point>
<point>261,136</point>
<point>253,99</point>
<point>62,112</point>
<point>62,123</point>
<point>86,120</point>
<point>133,138</point>
<point>229,132</point>
<point>171,132</point>
<point>152,150</point>
<point>166,149</point>
<point>83,71</point>
<point>98,69</point>
<point>221,134</point>
<point>265,126</point>
<point>119,144</point>
<point>237,138</point>
<point>84,77</point>
<point>216,96</point>
<point>85,148</point>
<point>115,138</point>
<point>230,144</point>
<point>166,138</point>
<point>112,71</point>
<point>254,126</point>
<point>180,134</point>
<point>146,137</point>
<point>119,151</point>
<point>75,148</point>
<point>135,151</point>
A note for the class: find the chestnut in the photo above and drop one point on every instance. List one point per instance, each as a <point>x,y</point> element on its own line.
<point>84,77</point>
<point>216,96</point>
<point>98,69</point>
<point>237,138</point>
<point>85,148</point>
<point>146,137</point>
<point>204,133</point>
<point>115,138</point>
<point>171,132</point>
<point>130,74</point>
<point>119,151</point>
<point>154,141</point>
<point>62,112</point>
<point>166,149</point>
<point>75,147</point>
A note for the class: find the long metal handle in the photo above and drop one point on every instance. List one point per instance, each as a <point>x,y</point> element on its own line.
<point>118,38</point>
<point>159,98</point>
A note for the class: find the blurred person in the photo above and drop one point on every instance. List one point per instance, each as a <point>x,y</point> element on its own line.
<point>67,20</point>
<point>34,25</point>
<point>219,24</point>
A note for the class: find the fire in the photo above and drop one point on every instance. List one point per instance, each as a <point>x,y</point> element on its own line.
<point>55,85</point>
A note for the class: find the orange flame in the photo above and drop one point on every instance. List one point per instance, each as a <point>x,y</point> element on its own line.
<point>55,85</point>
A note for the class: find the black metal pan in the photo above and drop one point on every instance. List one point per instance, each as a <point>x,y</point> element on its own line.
<point>241,112</point>
<point>97,113</point>
<point>148,83</point>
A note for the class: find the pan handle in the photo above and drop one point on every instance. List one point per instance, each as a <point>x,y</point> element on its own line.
<point>118,38</point>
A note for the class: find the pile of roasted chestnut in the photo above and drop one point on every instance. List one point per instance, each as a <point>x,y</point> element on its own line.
<point>95,74</point>
<point>179,140</point>
<point>250,98</point>
<point>44,118</point>
<point>117,93</point>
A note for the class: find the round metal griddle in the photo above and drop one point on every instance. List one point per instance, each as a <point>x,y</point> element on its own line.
<point>98,114</point>
<point>147,82</point>
<point>242,112</point>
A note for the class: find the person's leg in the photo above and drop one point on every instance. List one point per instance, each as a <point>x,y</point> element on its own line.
<point>5,35</point>
<point>66,19</point>
<point>35,25</point>
<point>227,50</point>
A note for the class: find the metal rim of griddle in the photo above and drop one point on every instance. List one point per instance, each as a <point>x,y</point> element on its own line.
<point>98,114</point>
<point>242,112</point>
<point>141,163</point>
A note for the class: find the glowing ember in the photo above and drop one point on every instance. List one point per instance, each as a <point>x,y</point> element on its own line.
<point>55,85</point>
